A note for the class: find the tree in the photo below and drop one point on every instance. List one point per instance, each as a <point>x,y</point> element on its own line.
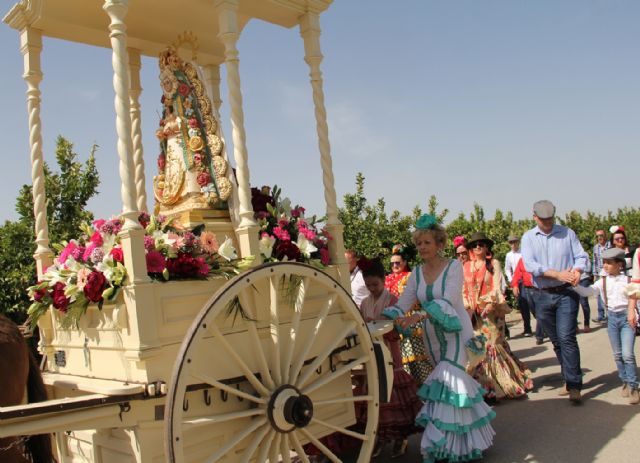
<point>67,195</point>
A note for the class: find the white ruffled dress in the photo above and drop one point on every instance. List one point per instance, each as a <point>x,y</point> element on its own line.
<point>455,418</point>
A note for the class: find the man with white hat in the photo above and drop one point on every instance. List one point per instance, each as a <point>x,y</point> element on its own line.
<point>555,258</point>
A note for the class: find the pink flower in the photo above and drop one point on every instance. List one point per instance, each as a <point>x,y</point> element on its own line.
<point>67,251</point>
<point>203,267</point>
<point>155,262</point>
<point>197,158</point>
<point>281,234</point>
<point>162,162</point>
<point>208,242</point>
<point>183,89</point>
<point>459,241</point>
<point>144,219</point>
<point>96,239</point>
<point>77,253</point>
<point>193,123</point>
<point>203,178</point>
<point>117,255</point>
<point>283,222</point>
<point>86,256</point>
<point>298,211</point>
<point>97,224</point>
<point>307,233</point>
<point>149,243</point>
<point>324,256</point>
<point>97,255</point>
<point>83,274</point>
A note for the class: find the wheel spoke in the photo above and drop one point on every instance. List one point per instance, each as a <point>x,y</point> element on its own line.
<point>263,391</point>
<point>355,398</point>
<point>266,444</point>
<point>285,451</point>
<point>237,438</point>
<point>295,327</point>
<point>274,451</point>
<point>322,356</point>
<point>274,329</point>
<point>231,390</point>
<point>253,445</point>
<point>299,450</point>
<point>321,381</point>
<point>356,435</point>
<point>257,345</point>
<point>320,446</point>
<point>297,366</point>
<point>215,419</point>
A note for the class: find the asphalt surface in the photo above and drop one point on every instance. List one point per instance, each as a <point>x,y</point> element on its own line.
<point>547,428</point>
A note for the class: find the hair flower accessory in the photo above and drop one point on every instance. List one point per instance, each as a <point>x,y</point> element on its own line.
<point>459,241</point>
<point>426,222</point>
<point>397,249</point>
<point>615,229</point>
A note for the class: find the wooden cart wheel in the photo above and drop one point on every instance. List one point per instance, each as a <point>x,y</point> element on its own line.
<point>275,350</point>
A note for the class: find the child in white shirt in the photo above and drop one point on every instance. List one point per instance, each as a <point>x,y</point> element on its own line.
<point>622,334</point>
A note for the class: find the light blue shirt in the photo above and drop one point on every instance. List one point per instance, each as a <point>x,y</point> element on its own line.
<point>559,250</point>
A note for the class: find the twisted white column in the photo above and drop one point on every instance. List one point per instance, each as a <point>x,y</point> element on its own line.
<point>31,47</point>
<point>310,32</point>
<point>136,128</point>
<point>117,10</point>
<point>229,35</point>
<point>212,79</point>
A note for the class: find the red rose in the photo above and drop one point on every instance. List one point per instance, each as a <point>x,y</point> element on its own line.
<point>183,89</point>
<point>197,158</point>
<point>60,301</point>
<point>325,258</point>
<point>203,178</point>
<point>162,161</point>
<point>39,294</point>
<point>193,123</point>
<point>96,282</point>
<point>185,266</point>
<point>288,249</point>
<point>117,255</point>
<point>96,239</point>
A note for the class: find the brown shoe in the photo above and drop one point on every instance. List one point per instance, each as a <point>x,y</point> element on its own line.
<point>586,329</point>
<point>563,392</point>
<point>575,397</point>
<point>625,390</point>
<point>634,397</point>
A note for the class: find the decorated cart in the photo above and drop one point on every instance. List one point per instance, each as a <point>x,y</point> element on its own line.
<point>256,367</point>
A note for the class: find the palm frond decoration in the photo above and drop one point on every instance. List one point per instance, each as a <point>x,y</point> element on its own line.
<point>234,307</point>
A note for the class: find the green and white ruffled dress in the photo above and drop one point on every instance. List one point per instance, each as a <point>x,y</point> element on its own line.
<point>455,418</point>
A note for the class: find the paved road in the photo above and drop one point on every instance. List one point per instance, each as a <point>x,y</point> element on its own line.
<point>546,428</point>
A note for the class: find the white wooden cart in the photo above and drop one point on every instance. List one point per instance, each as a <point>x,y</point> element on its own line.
<point>167,373</point>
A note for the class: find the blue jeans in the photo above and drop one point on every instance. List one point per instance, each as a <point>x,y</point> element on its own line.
<point>558,313</point>
<point>622,338</point>
<point>528,295</point>
<point>584,302</point>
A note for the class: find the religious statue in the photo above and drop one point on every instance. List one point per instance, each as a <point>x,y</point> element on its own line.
<point>192,170</point>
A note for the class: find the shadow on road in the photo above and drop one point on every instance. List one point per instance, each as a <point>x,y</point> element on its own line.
<point>554,430</point>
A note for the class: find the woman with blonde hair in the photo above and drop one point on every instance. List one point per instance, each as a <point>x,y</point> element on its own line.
<point>455,418</point>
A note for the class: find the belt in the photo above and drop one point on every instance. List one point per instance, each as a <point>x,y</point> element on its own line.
<point>554,289</point>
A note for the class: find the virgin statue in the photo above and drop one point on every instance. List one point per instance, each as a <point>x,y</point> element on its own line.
<point>192,170</point>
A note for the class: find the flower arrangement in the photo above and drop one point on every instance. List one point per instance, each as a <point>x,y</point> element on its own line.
<point>285,233</point>
<point>91,269</point>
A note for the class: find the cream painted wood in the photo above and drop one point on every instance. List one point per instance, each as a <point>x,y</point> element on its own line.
<point>212,78</point>
<point>310,32</point>
<point>229,34</point>
<point>285,359</point>
<point>136,128</point>
<point>31,48</point>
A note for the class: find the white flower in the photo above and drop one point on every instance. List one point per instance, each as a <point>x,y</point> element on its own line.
<point>285,207</point>
<point>227,250</point>
<point>266,245</point>
<point>305,246</point>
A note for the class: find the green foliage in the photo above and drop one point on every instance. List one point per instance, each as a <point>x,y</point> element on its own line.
<point>371,232</point>
<point>67,195</point>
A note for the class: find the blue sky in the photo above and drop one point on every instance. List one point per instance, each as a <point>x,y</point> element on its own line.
<point>496,102</point>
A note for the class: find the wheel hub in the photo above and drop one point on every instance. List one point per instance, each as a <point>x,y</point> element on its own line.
<point>289,409</point>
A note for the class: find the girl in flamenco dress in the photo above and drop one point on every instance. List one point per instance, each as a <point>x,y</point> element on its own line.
<point>455,418</point>
<point>396,420</point>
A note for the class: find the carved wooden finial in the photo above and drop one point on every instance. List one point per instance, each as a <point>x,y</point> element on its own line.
<point>190,38</point>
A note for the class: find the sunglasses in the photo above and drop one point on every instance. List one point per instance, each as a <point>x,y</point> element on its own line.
<point>463,253</point>
<point>479,244</point>
<point>396,263</point>
<point>619,238</point>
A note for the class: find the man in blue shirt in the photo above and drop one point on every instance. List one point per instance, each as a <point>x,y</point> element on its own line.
<point>554,256</point>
